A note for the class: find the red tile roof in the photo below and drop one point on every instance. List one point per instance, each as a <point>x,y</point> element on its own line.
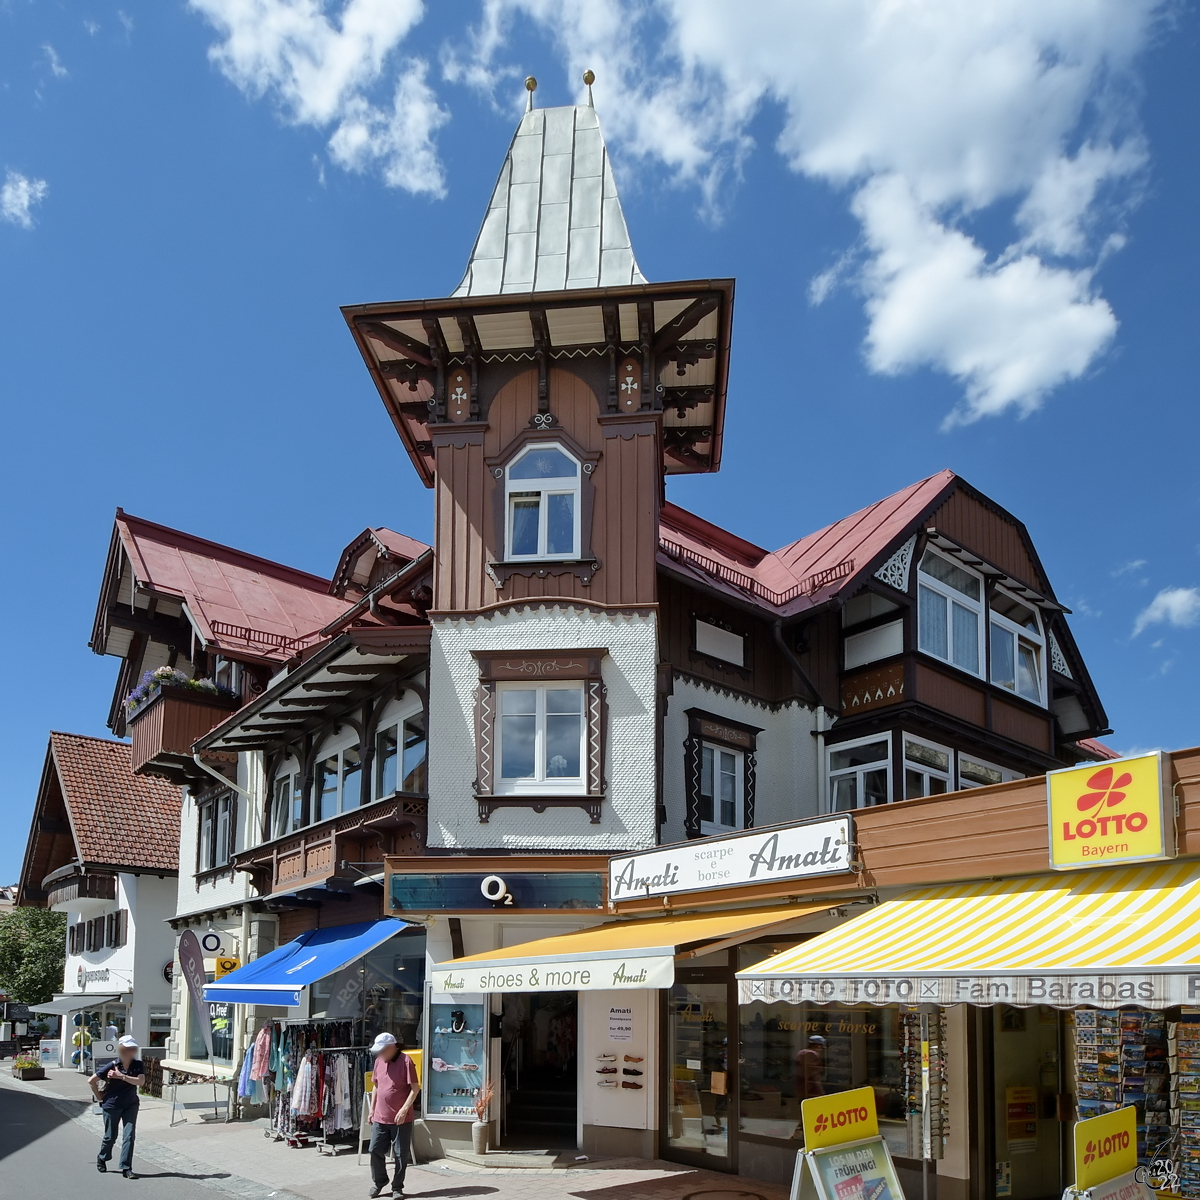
<point>118,818</point>
<point>805,572</point>
<point>240,602</point>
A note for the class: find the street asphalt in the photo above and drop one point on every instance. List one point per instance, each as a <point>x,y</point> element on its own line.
<point>44,1154</point>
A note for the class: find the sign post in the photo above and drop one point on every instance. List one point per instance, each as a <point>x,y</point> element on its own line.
<point>1106,1165</point>
<point>844,1158</point>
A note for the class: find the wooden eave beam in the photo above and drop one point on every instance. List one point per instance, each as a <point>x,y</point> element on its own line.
<point>541,353</point>
<point>163,629</point>
<point>305,701</point>
<point>438,355</point>
<point>471,348</point>
<point>400,342</point>
<point>674,330</point>
<point>379,669</point>
<point>345,688</point>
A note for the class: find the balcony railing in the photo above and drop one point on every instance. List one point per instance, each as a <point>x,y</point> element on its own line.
<point>74,888</point>
<point>165,727</point>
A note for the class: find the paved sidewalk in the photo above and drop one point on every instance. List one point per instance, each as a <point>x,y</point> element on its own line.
<point>239,1160</point>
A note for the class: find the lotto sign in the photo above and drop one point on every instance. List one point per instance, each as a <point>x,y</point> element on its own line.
<point>842,1117</point>
<point>1115,812</point>
<point>1105,1147</point>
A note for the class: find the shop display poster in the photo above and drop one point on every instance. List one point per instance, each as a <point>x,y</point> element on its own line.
<point>1021,1119</point>
<point>620,1024</point>
<point>859,1170</point>
<point>1105,1147</point>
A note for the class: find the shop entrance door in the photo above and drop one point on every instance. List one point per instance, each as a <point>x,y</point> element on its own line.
<point>699,1127</point>
<point>538,1070</point>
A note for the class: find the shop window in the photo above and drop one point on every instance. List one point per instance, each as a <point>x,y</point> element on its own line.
<point>221,1016</point>
<point>789,1052</point>
<point>927,769</point>
<point>949,612</point>
<point>215,844</point>
<point>400,758</point>
<point>719,774</point>
<point>1018,648</point>
<point>542,504</point>
<point>698,1043</point>
<point>160,1025</point>
<point>859,774</point>
<point>538,739</point>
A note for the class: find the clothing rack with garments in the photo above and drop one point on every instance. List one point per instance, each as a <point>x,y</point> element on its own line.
<point>315,1077</point>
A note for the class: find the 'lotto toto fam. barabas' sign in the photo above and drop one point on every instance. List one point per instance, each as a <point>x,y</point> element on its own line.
<point>1110,813</point>
<point>820,847</point>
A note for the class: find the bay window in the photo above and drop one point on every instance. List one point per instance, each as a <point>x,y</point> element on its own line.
<point>542,504</point>
<point>286,805</point>
<point>973,773</point>
<point>859,774</point>
<point>1017,647</point>
<point>927,769</point>
<point>540,737</point>
<point>338,784</point>
<point>949,612</point>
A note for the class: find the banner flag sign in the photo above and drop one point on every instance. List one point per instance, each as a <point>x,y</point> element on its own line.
<point>1115,812</point>
<point>191,962</point>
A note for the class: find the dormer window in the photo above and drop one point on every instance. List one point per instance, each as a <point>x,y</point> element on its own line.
<point>949,608</point>
<point>542,504</point>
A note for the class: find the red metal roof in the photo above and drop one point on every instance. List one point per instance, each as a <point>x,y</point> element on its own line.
<point>805,572</point>
<point>118,818</point>
<point>239,602</point>
<point>1096,749</point>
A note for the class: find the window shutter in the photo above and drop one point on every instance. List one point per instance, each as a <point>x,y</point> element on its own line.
<point>122,927</point>
<point>110,932</point>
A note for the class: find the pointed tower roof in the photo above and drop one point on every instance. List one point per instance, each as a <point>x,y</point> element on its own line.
<point>555,219</point>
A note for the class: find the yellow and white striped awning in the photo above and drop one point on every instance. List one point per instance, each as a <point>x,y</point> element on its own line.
<point>1113,935</point>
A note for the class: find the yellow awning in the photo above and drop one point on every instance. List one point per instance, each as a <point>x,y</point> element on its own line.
<point>1107,936</point>
<point>619,954</point>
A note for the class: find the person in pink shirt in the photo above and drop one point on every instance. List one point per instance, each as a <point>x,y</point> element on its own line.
<point>395,1092</point>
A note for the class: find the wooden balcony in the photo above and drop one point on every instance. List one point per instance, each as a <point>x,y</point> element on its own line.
<point>312,857</point>
<point>81,891</point>
<point>164,729</point>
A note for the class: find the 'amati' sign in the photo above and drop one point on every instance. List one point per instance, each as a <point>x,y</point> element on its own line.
<point>1115,812</point>
<point>604,971</point>
<point>818,847</point>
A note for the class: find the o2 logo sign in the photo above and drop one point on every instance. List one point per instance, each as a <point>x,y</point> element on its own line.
<point>210,943</point>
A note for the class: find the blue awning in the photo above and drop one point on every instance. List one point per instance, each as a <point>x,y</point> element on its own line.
<point>279,977</point>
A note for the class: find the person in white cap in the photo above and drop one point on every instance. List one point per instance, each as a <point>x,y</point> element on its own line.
<point>395,1092</point>
<point>115,1086</point>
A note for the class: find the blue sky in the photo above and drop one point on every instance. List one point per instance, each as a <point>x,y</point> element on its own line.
<point>997,219</point>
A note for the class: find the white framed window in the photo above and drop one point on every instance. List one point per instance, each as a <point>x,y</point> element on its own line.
<point>287,802</point>
<point>215,843</point>
<point>337,783</point>
<point>860,773</point>
<point>400,757</point>
<point>950,612</point>
<point>228,674</point>
<point>928,768</point>
<point>1018,647</point>
<point>722,789</point>
<point>974,772</point>
<point>542,504</point>
<point>540,737</point>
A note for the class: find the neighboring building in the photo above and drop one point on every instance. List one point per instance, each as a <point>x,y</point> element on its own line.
<point>8,898</point>
<point>103,848</point>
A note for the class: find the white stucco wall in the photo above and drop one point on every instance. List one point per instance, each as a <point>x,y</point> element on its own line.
<point>220,891</point>
<point>786,756</point>
<point>627,820</point>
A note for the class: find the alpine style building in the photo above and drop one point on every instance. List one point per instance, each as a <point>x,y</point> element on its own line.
<point>573,668</point>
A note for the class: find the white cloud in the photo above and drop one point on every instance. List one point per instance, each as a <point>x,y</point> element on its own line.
<point>929,115</point>
<point>1172,606</point>
<point>56,67</point>
<point>18,196</point>
<point>327,73</point>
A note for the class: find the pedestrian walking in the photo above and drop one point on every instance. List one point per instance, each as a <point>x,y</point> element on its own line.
<point>395,1092</point>
<point>115,1086</point>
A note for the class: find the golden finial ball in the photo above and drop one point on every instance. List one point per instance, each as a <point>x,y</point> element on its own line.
<point>530,84</point>
<point>589,77</point>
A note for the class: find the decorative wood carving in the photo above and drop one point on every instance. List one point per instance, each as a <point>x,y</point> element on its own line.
<point>459,387</point>
<point>873,689</point>
<point>592,805</point>
<point>539,664</point>
<point>894,572</point>
<point>502,572</point>
<point>629,384</point>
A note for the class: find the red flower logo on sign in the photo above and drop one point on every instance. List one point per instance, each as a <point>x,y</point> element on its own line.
<point>822,1123</point>
<point>1106,791</point>
<point>1089,1152</point>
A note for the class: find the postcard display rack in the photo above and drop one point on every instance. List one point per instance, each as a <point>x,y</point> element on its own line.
<point>1136,1057</point>
<point>458,1048</point>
